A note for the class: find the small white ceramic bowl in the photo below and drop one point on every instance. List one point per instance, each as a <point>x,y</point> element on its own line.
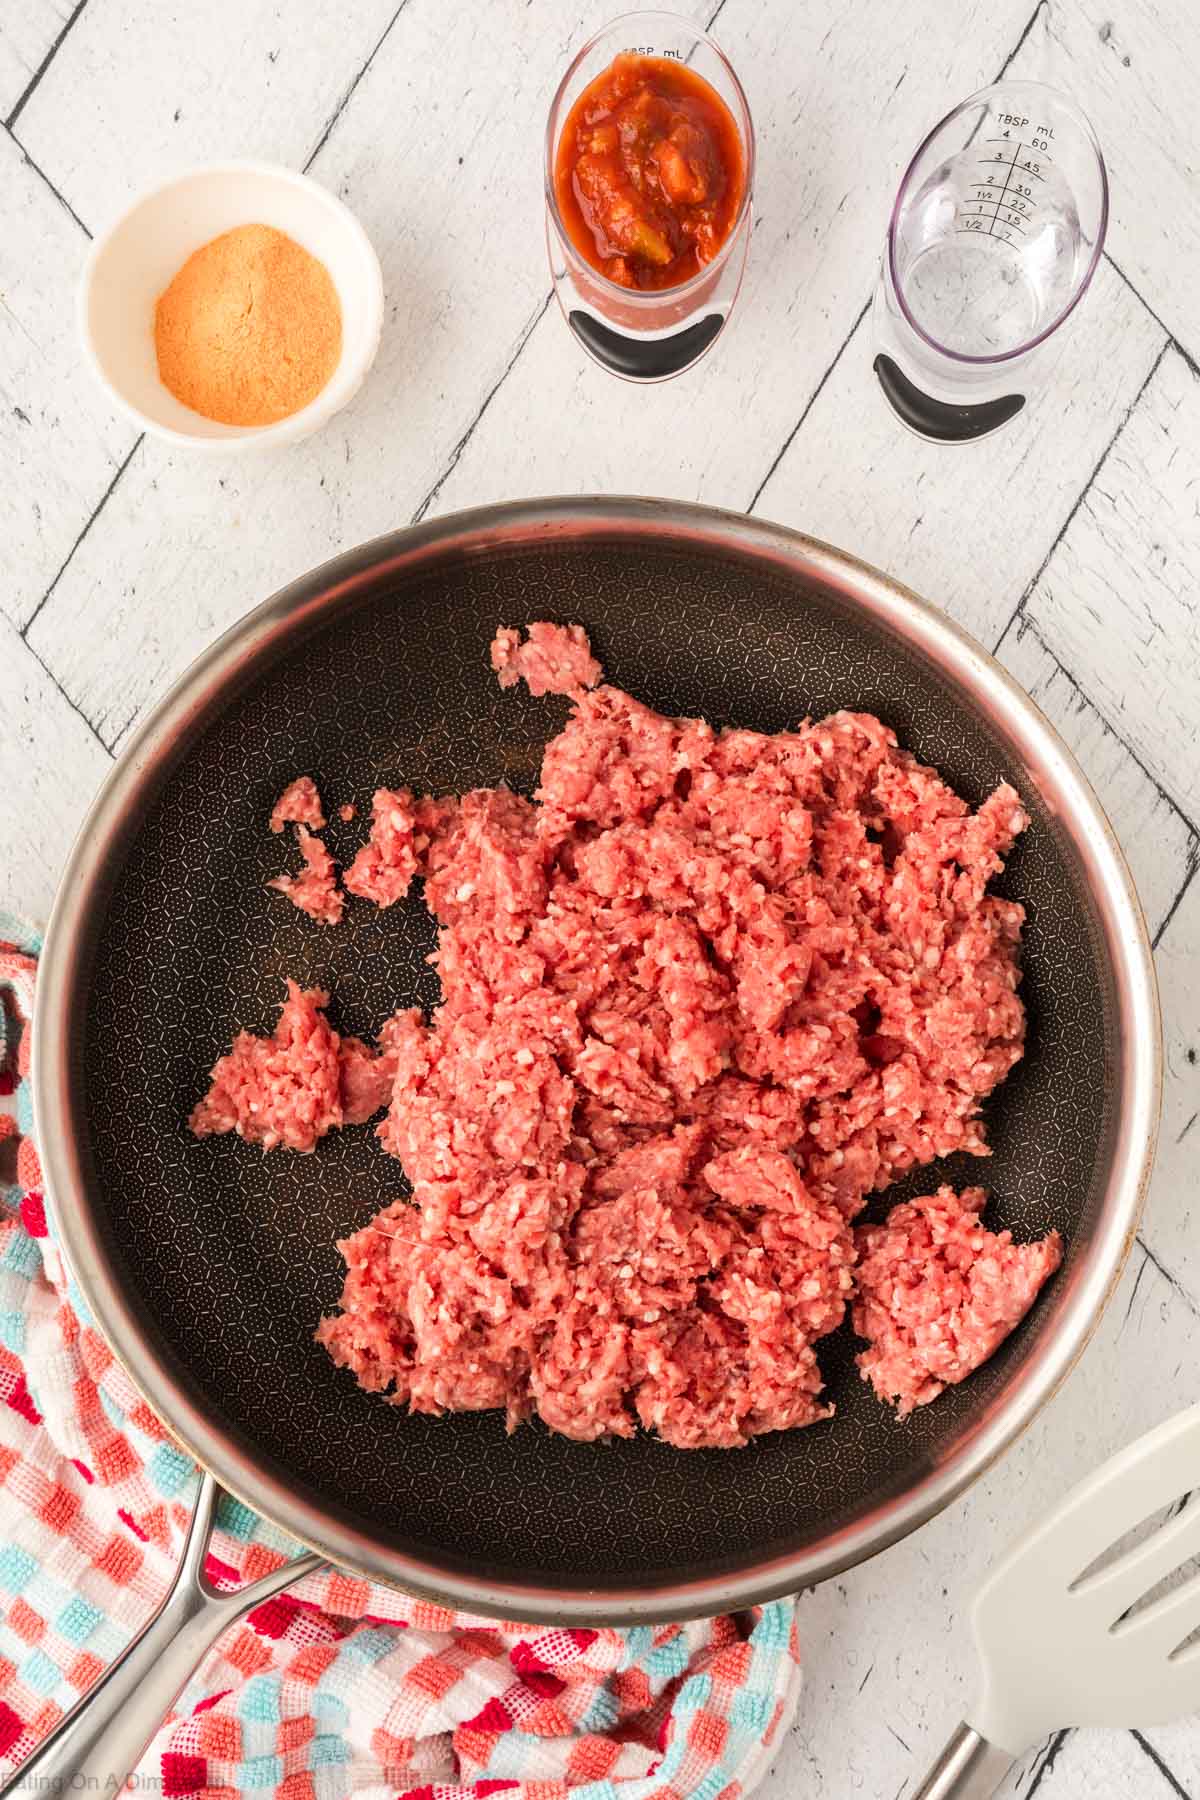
<point>136,258</point>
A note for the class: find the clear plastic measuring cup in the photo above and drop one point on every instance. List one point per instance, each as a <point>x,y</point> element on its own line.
<point>994,236</point>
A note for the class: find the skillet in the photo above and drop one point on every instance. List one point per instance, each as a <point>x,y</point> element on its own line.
<point>208,1265</point>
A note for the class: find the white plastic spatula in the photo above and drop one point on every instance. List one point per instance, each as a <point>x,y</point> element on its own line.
<point>1067,1639</point>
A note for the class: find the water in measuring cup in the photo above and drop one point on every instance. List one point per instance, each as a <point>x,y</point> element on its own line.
<point>989,254</point>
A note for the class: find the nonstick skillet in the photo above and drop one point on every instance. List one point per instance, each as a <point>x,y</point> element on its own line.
<point>207,1265</point>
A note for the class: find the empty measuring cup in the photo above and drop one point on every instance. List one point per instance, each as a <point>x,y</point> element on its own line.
<point>994,236</point>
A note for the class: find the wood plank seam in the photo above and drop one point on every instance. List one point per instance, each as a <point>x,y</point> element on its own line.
<point>1045,1763</point>
<point>1186,354</point>
<point>1156,1758</point>
<point>809,404</point>
<point>1193,861</point>
<point>1171,1280</point>
<point>1028,626</point>
<point>1133,1292</point>
<point>1018,47</point>
<point>527,332</point>
<point>1019,608</point>
<point>89,522</point>
<point>42,176</point>
<point>35,78</point>
<point>77,710</point>
<point>342,104</point>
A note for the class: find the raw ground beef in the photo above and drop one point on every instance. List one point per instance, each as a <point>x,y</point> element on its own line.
<point>937,1293</point>
<point>401,831</point>
<point>554,659</point>
<point>314,890</point>
<point>299,804</point>
<point>306,1079</point>
<point>701,997</point>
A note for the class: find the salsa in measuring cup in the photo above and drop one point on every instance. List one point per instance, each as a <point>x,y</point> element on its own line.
<point>649,173</point>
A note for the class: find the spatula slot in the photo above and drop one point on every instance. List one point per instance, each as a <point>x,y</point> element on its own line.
<point>1123,1548</point>
<point>1182,1574</point>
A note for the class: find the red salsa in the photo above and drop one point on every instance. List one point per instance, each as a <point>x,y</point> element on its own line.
<point>649,173</point>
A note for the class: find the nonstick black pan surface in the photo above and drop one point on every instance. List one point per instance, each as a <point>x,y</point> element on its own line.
<point>376,671</point>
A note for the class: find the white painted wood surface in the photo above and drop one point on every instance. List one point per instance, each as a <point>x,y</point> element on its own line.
<point>1071,540</point>
<point>57,433</point>
<point>29,31</point>
<point>1133,68</point>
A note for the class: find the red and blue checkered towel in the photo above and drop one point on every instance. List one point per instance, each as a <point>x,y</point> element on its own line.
<point>337,1687</point>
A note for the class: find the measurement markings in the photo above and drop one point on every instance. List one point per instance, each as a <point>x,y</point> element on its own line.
<point>1008,178</point>
<point>1009,219</point>
<point>987,194</point>
<point>1022,200</point>
<point>992,162</point>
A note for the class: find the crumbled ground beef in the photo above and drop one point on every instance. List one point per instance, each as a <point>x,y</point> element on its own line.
<point>299,804</point>
<point>701,997</point>
<point>401,832</point>
<point>554,659</point>
<point>938,1293</point>
<point>314,890</point>
<point>291,1088</point>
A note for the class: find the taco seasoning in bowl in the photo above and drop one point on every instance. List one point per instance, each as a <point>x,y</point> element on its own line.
<point>238,306</point>
<point>649,174</point>
<point>250,328</point>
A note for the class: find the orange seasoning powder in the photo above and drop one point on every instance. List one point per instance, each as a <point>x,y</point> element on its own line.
<point>250,329</point>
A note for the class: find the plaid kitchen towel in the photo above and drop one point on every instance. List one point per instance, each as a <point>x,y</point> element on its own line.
<point>336,1687</point>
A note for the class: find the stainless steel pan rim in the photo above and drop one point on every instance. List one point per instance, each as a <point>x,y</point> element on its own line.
<point>154,750</point>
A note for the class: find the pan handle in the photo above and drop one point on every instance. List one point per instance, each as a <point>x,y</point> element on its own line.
<point>99,1743</point>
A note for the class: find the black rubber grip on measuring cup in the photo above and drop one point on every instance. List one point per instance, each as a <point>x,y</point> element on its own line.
<point>939,419</point>
<point>645,359</point>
